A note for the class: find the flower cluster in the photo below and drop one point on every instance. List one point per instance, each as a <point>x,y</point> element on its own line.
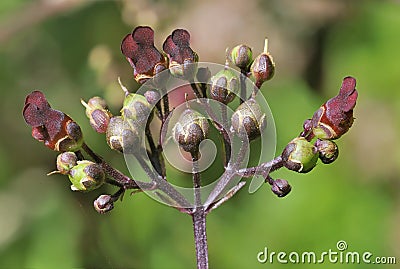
<point>130,132</point>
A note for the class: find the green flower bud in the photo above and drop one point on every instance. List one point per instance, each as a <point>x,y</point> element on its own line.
<point>248,120</point>
<point>224,85</point>
<point>98,114</point>
<point>103,204</point>
<point>65,161</point>
<point>300,155</point>
<point>136,108</point>
<point>263,67</point>
<point>86,176</point>
<point>190,130</point>
<point>121,136</point>
<point>242,56</point>
<point>328,150</point>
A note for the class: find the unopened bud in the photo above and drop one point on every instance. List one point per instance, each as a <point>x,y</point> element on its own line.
<point>242,56</point>
<point>86,176</point>
<point>136,108</point>
<point>121,136</point>
<point>190,130</point>
<point>281,187</point>
<point>263,67</point>
<point>248,120</point>
<point>103,204</point>
<point>65,162</point>
<point>328,150</point>
<point>224,86</point>
<point>98,114</point>
<point>300,155</point>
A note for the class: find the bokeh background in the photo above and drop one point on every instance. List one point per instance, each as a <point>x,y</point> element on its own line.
<point>70,50</point>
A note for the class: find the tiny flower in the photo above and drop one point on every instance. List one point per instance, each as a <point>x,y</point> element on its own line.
<point>56,129</point>
<point>224,86</point>
<point>182,59</point>
<point>103,204</point>
<point>190,130</point>
<point>142,55</point>
<point>98,113</point>
<point>281,187</point>
<point>248,120</point>
<point>300,155</point>
<point>328,150</point>
<point>242,56</point>
<point>86,176</point>
<point>334,118</point>
<point>263,67</point>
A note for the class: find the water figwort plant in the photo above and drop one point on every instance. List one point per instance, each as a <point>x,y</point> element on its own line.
<point>132,133</point>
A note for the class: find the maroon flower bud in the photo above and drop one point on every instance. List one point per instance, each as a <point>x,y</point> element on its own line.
<point>56,129</point>
<point>334,118</point>
<point>182,59</point>
<point>281,187</point>
<point>103,203</point>
<point>142,55</point>
<point>98,114</point>
<point>328,150</point>
<point>263,67</point>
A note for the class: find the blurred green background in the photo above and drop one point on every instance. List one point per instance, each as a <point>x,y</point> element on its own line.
<point>70,50</point>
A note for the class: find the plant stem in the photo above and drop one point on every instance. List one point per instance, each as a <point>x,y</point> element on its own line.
<point>200,237</point>
<point>243,76</point>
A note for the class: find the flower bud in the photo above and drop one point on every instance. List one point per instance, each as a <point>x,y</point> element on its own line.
<point>328,150</point>
<point>121,136</point>
<point>152,96</point>
<point>281,187</point>
<point>136,108</point>
<point>242,56</point>
<point>98,114</point>
<point>65,161</point>
<point>300,155</point>
<point>86,176</point>
<point>224,85</point>
<point>103,204</point>
<point>263,67</point>
<point>190,130</point>
<point>248,120</point>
